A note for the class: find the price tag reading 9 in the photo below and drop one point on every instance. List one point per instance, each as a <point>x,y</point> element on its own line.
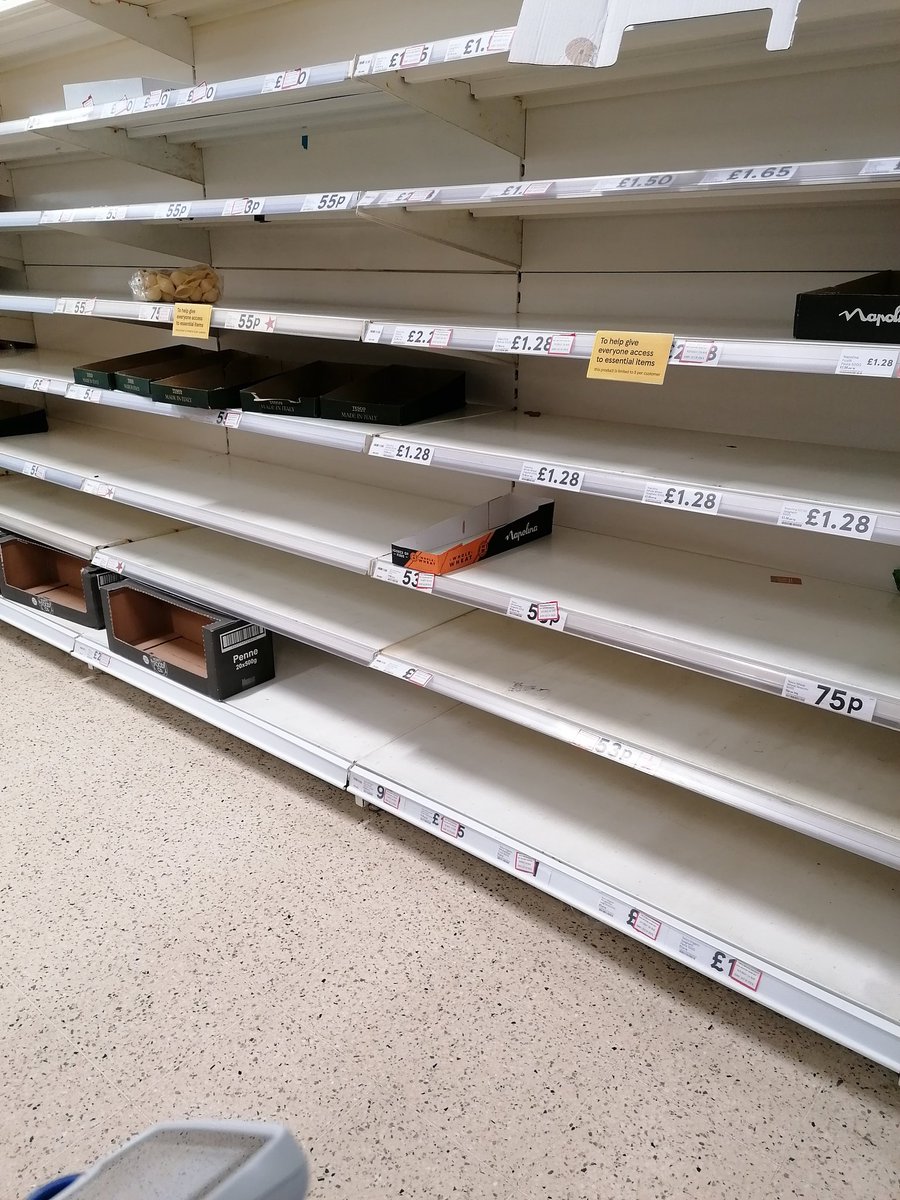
<point>508,341</point>
<point>776,173</point>
<point>569,479</point>
<point>674,495</point>
<point>839,521</point>
<point>421,336</point>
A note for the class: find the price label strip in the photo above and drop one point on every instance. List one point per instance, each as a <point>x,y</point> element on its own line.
<point>864,362</point>
<point>516,860</point>
<point>252,322</point>
<point>95,488</point>
<point>75,306</point>
<point>33,470</point>
<point>398,59</point>
<point>328,202</point>
<point>421,336</point>
<point>402,451</point>
<point>841,522</point>
<point>880,166</point>
<point>108,563</point>
<point>75,391</point>
<point>154,312</point>
<point>691,352</point>
<point>568,479</point>
<point>175,210</point>
<point>92,655</point>
<point>244,206</point>
<point>517,191</point>
<point>765,173</point>
<point>680,495</point>
<point>618,751</point>
<point>510,341</point>
<point>494,41</point>
<point>286,81</point>
<point>419,581</point>
<point>401,670</point>
<point>846,702</point>
<point>538,612</point>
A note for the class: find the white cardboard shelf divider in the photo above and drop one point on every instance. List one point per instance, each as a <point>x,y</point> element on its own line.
<point>761,910</point>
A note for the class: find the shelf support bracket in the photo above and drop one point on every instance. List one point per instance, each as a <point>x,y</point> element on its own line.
<point>500,122</point>
<point>192,244</point>
<point>498,239</point>
<point>168,35</point>
<point>184,162</point>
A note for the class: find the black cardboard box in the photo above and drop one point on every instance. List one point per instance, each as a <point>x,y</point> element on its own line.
<point>298,392</point>
<point>397,395</point>
<point>57,583</point>
<point>217,385</point>
<point>480,532</point>
<point>16,419</point>
<point>201,649</point>
<point>138,378</point>
<point>863,310</point>
<point>103,374</point>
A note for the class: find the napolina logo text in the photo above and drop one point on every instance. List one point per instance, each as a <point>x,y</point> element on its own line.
<point>873,318</point>
<point>515,534</point>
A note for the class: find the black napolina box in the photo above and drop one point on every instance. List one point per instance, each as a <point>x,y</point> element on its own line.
<point>863,310</point>
<point>52,581</point>
<point>480,532</point>
<point>201,649</point>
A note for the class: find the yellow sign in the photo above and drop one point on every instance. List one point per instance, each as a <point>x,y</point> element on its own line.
<point>192,320</point>
<point>630,357</point>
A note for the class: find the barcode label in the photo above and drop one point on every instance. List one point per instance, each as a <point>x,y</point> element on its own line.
<point>105,578</point>
<point>237,637</point>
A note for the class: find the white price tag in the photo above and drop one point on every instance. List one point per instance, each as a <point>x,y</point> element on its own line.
<point>402,451</point>
<point>116,213</point>
<point>175,210</point>
<point>90,654</point>
<point>328,202</point>
<point>95,488</point>
<point>152,312</point>
<point>513,191</point>
<point>636,183</point>
<point>41,121</point>
<point>842,522</point>
<point>570,479</point>
<point>880,166</point>
<point>674,495</point>
<point>286,81</point>
<point>828,698</point>
<point>507,341</point>
<point>420,581</point>
<point>765,173</point>
<point>40,384</point>
<point>517,860</point>
<point>620,752</point>
<point>34,471</point>
<point>400,670</point>
<point>421,336</point>
<point>53,216</point>
<point>645,924</point>
<point>244,206</point>
<point>406,196</point>
<point>155,100</point>
<point>448,826</point>
<point>230,418</point>
<point>692,353</point>
<point>252,322</point>
<point>75,307</point>
<point>395,60</point>
<point>868,362</point>
<point>75,391</point>
<point>495,41</point>
<point>108,563</point>
<point>744,974</point>
<point>202,93</point>
<point>378,792</point>
<point>374,332</point>
<point>538,612</point>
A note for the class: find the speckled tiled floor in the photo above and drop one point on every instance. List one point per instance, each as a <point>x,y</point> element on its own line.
<point>190,927</point>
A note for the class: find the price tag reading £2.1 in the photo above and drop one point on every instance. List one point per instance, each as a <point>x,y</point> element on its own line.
<point>828,698</point>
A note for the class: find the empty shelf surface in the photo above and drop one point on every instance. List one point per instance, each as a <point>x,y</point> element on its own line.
<point>709,614</point>
<point>329,519</point>
<point>832,779</point>
<point>811,910</point>
<point>78,524</point>
<point>351,614</point>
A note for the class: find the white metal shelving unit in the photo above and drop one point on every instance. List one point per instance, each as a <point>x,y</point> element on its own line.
<point>710,848</point>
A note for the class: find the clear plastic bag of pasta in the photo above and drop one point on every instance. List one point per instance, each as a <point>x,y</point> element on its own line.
<point>199,284</point>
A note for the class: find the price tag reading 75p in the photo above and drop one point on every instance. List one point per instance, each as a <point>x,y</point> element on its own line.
<point>831,699</point>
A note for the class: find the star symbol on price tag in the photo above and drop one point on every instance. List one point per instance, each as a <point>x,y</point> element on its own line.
<point>270,324</point>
